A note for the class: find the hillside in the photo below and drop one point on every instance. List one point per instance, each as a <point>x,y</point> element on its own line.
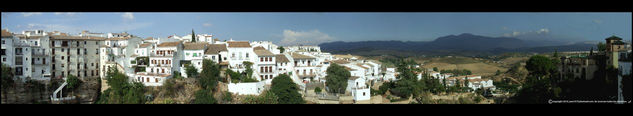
<point>464,44</point>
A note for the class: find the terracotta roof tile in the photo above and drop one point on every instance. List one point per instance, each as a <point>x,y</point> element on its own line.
<point>301,56</point>
<point>195,46</point>
<point>168,44</point>
<point>281,58</point>
<point>263,52</point>
<point>238,44</point>
<point>215,48</point>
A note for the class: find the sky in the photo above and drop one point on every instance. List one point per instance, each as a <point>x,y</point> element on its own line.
<point>311,28</point>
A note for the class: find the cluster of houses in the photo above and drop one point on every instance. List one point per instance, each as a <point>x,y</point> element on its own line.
<point>43,55</point>
<point>583,65</point>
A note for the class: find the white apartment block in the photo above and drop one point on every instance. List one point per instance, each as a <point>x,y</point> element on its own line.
<point>239,52</point>
<point>193,55</point>
<point>265,66</point>
<point>162,62</point>
<point>75,55</point>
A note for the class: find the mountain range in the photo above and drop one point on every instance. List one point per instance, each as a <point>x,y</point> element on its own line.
<point>464,44</point>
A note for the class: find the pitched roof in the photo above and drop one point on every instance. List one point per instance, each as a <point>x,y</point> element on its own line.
<point>614,38</point>
<point>238,44</point>
<point>353,77</point>
<point>149,38</point>
<point>195,46</point>
<point>301,56</point>
<point>118,38</point>
<point>6,33</point>
<point>281,58</point>
<point>168,44</point>
<point>259,48</point>
<point>340,61</point>
<point>263,52</point>
<point>144,45</point>
<point>75,37</point>
<point>361,66</point>
<point>215,48</point>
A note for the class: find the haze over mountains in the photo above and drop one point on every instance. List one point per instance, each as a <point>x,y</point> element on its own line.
<point>463,44</point>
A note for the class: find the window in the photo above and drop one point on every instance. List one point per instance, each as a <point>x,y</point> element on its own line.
<point>162,70</point>
<point>157,80</point>
<point>246,55</point>
<point>363,93</point>
<point>36,43</point>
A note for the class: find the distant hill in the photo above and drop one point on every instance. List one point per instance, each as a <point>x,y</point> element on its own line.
<point>464,44</point>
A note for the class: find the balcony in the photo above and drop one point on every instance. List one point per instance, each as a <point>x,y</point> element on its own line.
<point>161,55</point>
<point>40,53</point>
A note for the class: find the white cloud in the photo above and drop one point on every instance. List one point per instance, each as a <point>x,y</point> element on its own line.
<point>313,37</point>
<point>128,16</point>
<point>31,14</point>
<point>65,13</point>
<point>544,30</point>
<point>518,33</point>
<point>207,24</point>
<point>93,28</point>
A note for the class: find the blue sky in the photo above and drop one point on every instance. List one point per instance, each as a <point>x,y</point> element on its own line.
<point>313,28</point>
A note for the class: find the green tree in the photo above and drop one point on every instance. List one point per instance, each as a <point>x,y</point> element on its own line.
<point>249,69</point>
<point>193,36</point>
<point>169,86</point>
<point>435,69</point>
<point>7,80</point>
<point>286,90</point>
<point>121,91</point>
<point>602,46</point>
<point>204,96</point>
<point>210,74</point>
<point>317,90</point>
<point>498,72</point>
<point>337,77</point>
<point>73,82</point>
<point>281,49</point>
<point>191,71</point>
<point>540,66</point>
<point>176,75</point>
<point>555,53</point>
<point>267,97</point>
<point>227,97</point>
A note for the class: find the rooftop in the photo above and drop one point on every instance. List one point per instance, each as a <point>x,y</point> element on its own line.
<point>263,52</point>
<point>301,56</point>
<point>259,48</point>
<point>168,44</point>
<point>144,45</point>
<point>614,38</point>
<point>215,48</point>
<point>195,46</point>
<point>118,38</point>
<point>281,58</point>
<point>238,44</point>
<point>6,33</point>
<point>75,37</point>
<point>340,61</point>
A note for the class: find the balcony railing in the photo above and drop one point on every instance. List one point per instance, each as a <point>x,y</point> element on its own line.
<point>154,54</point>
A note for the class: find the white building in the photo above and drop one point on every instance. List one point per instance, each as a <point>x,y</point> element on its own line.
<point>305,67</point>
<point>265,67</point>
<point>217,53</point>
<point>249,88</point>
<point>358,88</point>
<point>163,61</point>
<point>239,52</point>
<point>193,55</point>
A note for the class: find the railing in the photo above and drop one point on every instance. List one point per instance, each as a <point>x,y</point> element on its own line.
<point>154,54</point>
